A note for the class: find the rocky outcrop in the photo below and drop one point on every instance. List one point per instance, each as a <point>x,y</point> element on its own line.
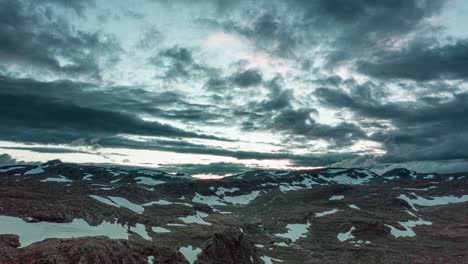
<point>231,247</point>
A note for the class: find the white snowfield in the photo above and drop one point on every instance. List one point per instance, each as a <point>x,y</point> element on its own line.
<point>159,202</point>
<point>120,202</point>
<point>36,170</point>
<point>88,177</point>
<point>137,208</point>
<point>10,169</point>
<point>222,191</point>
<point>408,225</point>
<point>295,231</point>
<point>57,179</point>
<point>354,206</point>
<point>190,253</point>
<point>336,197</point>
<point>195,219</point>
<point>212,200</point>
<point>269,260</point>
<point>148,181</point>
<point>34,232</point>
<point>433,201</point>
<point>342,237</point>
<point>158,229</point>
<point>329,212</point>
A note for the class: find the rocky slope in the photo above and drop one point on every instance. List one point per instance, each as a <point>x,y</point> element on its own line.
<point>68,213</point>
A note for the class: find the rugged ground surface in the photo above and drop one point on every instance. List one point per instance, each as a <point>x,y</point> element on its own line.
<point>68,213</point>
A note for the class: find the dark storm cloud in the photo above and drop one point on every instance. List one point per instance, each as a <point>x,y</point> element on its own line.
<point>353,27</point>
<point>344,29</point>
<point>129,100</point>
<point>33,36</point>
<point>421,61</point>
<point>277,114</point>
<point>428,129</point>
<point>217,168</point>
<point>48,150</point>
<point>247,78</point>
<point>181,146</point>
<point>6,159</point>
<point>28,106</point>
<point>178,64</point>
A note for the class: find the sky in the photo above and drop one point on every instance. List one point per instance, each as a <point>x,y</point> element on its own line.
<point>220,87</point>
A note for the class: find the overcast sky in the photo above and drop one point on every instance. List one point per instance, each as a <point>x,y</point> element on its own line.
<point>215,86</point>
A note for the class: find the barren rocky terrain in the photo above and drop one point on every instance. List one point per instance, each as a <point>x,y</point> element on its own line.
<point>69,213</point>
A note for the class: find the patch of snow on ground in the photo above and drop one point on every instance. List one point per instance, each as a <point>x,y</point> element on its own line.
<point>104,200</point>
<point>150,259</point>
<point>222,191</point>
<point>150,173</point>
<point>10,169</point>
<point>114,181</point>
<point>208,200</point>
<point>160,202</point>
<point>345,179</point>
<point>148,181</point>
<point>419,189</point>
<point>140,230</point>
<point>158,229</point>
<point>235,200</point>
<point>33,232</point>
<point>408,225</point>
<point>87,177</point>
<point>342,237</point>
<point>174,224</point>
<point>326,213</point>
<point>57,179</point>
<point>433,201</point>
<point>195,219</point>
<point>127,204</point>
<point>190,253</point>
<point>269,260</point>
<point>354,206</point>
<point>36,170</point>
<point>295,231</point>
<point>242,199</point>
<point>335,170</point>
<point>336,197</point>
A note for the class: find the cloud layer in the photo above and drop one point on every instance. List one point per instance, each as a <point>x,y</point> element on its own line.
<point>233,85</point>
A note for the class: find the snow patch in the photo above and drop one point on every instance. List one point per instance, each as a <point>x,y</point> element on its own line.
<point>127,204</point>
<point>190,253</point>
<point>269,260</point>
<point>87,177</point>
<point>336,197</point>
<point>408,225</point>
<point>148,181</point>
<point>354,206</point>
<point>158,229</point>
<point>36,170</point>
<point>433,201</point>
<point>33,232</point>
<point>342,237</point>
<point>295,231</point>
<point>57,179</point>
<point>195,219</point>
<point>10,169</point>
<point>326,213</point>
